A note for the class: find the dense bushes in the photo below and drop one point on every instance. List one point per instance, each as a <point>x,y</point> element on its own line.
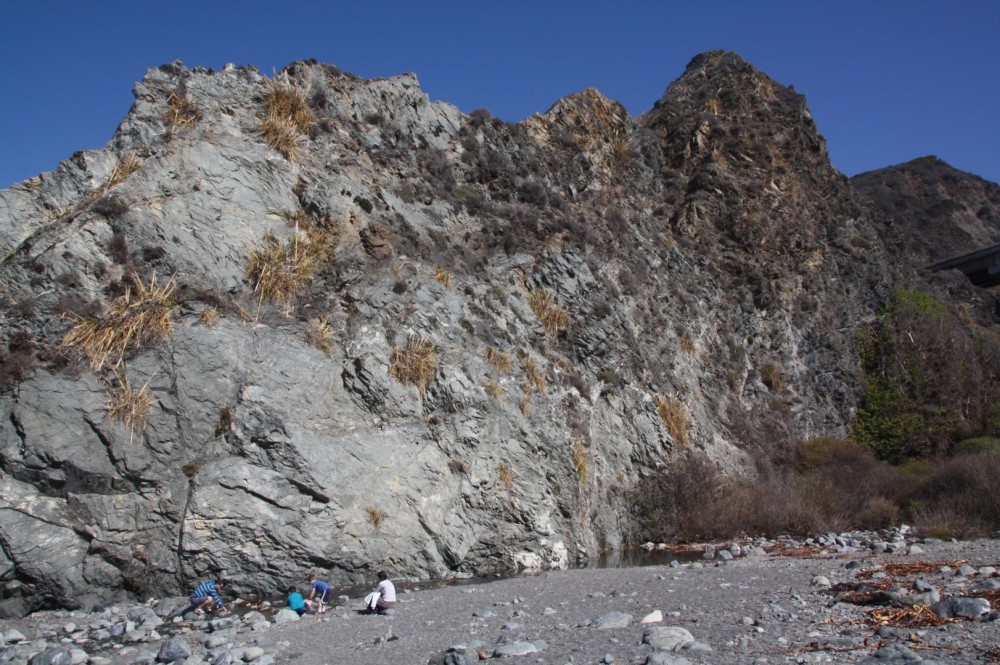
<point>928,380</point>
<point>827,485</point>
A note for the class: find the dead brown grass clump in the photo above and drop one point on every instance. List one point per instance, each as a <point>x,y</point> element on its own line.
<point>319,335</point>
<point>180,111</point>
<point>209,316</point>
<point>493,389</point>
<point>443,277</point>
<point>772,376</point>
<point>129,406</point>
<point>140,316</point>
<point>499,360</point>
<point>286,117</point>
<point>375,516</point>
<point>674,416</point>
<point>535,377</point>
<point>504,475</point>
<point>282,98</point>
<point>279,271</point>
<point>123,169</point>
<point>554,318</point>
<point>415,363</point>
<point>281,134</point>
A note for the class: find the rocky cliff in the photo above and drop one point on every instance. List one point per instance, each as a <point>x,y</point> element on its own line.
<point>316,322</point>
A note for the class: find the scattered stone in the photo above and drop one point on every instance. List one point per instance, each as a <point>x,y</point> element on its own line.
<point>612,620</point>
<point>667,637</point>
<point>286,615</point>
<point>964,608</point>
<point>53,656</point>
<point>656,616</point>
<point>176,648</point>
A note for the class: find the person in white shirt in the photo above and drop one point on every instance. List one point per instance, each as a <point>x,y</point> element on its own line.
<point>386,593</point>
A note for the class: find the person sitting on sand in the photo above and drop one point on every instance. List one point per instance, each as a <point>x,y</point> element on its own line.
<point>321,591</point>
<point>205,594</point>
<point>296,603</point>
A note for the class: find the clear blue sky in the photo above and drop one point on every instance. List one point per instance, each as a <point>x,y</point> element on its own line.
<point>886,80</point>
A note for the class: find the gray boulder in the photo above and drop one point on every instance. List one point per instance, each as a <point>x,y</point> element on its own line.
<point>174,649</point>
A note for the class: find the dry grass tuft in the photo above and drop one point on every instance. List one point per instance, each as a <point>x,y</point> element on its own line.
<point>282,134</point>
<point>534,375</point>
<point>280,271</point>
<point>125,167</point>
<point>415,363</point>
<point>687,344</point>
<point>282,98</point>
<point>501,361</point>
<point>129,406</point>
<point>319,335</point>
<point>493,389</point>
<point>504,475</point>
<point>554,318</point>
<point>209,316</point>
<point>375,517</point>
<point>180,111</point>
<point>443,277</point>
<point>772,376</point>
<point>286,117</point>
<point>136,318</point>
<point>674,416</point>
<point>458,465</point>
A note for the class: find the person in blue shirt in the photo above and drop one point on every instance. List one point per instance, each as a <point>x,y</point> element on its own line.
<point>205,594</point>
<point>320,591</point>
<point>296,603</point>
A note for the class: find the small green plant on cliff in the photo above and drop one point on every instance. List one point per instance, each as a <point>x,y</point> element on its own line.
<point>140,316</point>
<point>674,416</point>
<point>414,363</point>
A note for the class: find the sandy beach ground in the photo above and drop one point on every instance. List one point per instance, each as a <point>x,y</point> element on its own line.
<point>775,608</point>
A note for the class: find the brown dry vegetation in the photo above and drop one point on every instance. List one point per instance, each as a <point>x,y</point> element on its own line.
<point>141,316</point>
<point>279,271</point>
<point>554,318</point>
<point>127,405</point>
<point>415,363</point>
<point>674,416</point>
<point>286,117</point>
<point>824,484</point>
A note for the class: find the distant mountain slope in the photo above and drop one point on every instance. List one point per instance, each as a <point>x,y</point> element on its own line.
<point>939,211</point>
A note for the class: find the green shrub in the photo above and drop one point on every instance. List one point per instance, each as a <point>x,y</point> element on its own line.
<point>978,445</point>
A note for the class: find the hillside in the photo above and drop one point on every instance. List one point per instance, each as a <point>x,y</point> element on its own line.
<point>320,322</point>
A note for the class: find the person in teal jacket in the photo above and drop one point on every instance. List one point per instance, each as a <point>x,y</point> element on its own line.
<point>296,602</point>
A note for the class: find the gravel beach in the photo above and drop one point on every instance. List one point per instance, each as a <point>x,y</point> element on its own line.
<point>779,607</point>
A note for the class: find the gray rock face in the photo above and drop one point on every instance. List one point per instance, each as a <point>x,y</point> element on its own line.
<point>287,434</point>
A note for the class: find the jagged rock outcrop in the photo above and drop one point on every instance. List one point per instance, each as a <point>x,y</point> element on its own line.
<point>584,296</point>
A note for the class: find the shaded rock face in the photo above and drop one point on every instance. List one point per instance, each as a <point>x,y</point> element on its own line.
<point>569,275</point>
